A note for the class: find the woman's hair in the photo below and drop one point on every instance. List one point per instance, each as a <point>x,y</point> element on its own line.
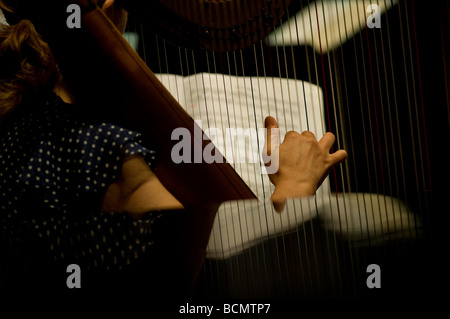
<point>27,66</point>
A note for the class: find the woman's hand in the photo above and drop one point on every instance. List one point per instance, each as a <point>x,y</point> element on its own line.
<point>303,162</point>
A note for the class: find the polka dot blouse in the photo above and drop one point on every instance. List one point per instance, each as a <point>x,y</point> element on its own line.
<point>55,166</point>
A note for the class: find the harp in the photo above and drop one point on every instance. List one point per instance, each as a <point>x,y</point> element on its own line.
<point>314,65</point>
<point>375,73</point>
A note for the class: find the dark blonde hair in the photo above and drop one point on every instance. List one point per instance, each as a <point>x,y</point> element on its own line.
<point>27,66</point>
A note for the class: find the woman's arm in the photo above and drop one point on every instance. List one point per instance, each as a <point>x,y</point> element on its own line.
<point>138,190</point>
<point>303,163</point>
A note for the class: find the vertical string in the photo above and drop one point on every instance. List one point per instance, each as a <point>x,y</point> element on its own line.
<point>272,76</point>
<point>427,186</point>
<point>351,148</point>
<point>311,229</point>
<point>342,85</point>
<point>286,125</point>
<point>240,214</point>
<point>382,152</point>
<point>390,165</point>
<point>256,126</point>
<point>424,164</point>
<point>210,266</point>
<point>364,129</point>
<point>297,222</point>
<point>377,130</point>
<point>235,270</point>
<point>401,191</point>
<point>314,235</point>
<point>387,184</point>
<point>413,142</point>
<point>245,213</point>
<point>327,104</point>
<point>347,253</point>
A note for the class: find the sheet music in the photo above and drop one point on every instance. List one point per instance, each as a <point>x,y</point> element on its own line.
<point>326,25</point>
<point>223,101</point>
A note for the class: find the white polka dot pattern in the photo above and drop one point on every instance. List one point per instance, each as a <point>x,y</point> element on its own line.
<point>54,168</point>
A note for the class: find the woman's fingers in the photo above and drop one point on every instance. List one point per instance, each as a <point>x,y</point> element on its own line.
<point>270,152</point>
<point>270,122</point>
<point>278,200</point>
<point>308,134</point>
<point>327,141</point>
<point>272,135</point>
<point>338,157</point>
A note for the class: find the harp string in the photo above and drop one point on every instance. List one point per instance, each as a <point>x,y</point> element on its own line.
<point>378,138</point>
<point>234,271</point>
<point>339,132</point>
<point>249,118</point>
<point>386,142</point>
<point>379,142</point>
<point>416,92</point>
<point>381,198</point>
<point>401,193</point>
<point>268,213</point>
<point>285,124</point>
<point>415,226</point>
<point>301,273</point>
<point>427,185</point>
<point>186,57</point>
<point>360,95</point>
<point>347,252</point>
<point>284,119</point>
<point>340,135</point>
<point>346,136</point>
<point>212,280</point>
<point>370,133</point>
<point>322,116</point>
<point>394,159</point>
<point>389,165</point>
<point>252,116</point>
<point>240,213</point>
<point>310,263</point>
<point>256,121</point>
<point>318,280</point>
<point>383,155</point>
<point>385,168</point>
<point>408,96</point>
<point>343,273</point>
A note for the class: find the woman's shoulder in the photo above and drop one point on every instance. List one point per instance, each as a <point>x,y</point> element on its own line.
<point>54,144</point>
<point>54,122</point>
<point>49,114</point>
